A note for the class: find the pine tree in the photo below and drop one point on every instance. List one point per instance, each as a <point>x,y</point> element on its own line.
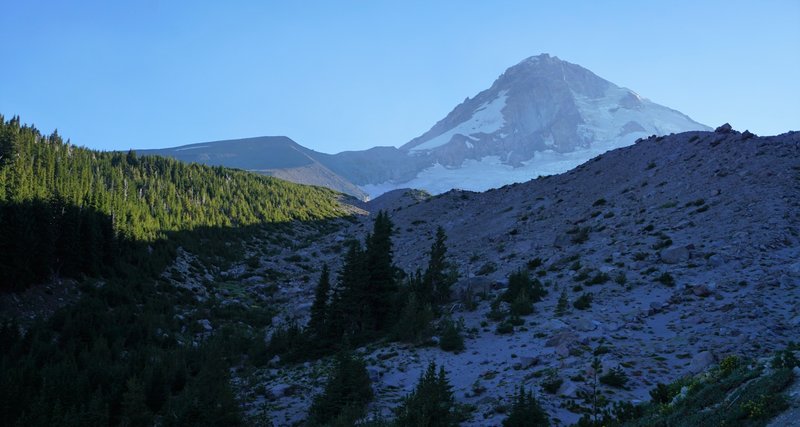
<point>319,309</point>
<point>563,304</point>
<point>381,284</point>
<point>349,309</point>
<point>346,393</point>
<point>436,277</point>
<point>526,411</point>
<point>431,403</point>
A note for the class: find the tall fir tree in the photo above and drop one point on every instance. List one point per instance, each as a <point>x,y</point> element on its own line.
<point>431,404</point>
<point>346,394</point>
<point>349,313</point>
<point>526,411</point>
<point>437,278</point>
<point>381,281</point>
<point>317,325</point>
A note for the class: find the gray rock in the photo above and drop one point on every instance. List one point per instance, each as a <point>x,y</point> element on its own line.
<point>374,373</point>
<point>528,361</point>
<point>702,290</point>
<point>726,128</point>
<point>470,288</point>
<point>584,325</point>
<point>206,324</point>
<point>282,390</point>
<point>675,255</point>
<point>701,361</point>
<point>568,388</point>
<point>563,338</point>
<point>562,350</point>
<point>562,241</point>
<point>716,260</point>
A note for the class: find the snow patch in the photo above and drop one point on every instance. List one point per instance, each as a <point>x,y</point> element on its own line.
<point>487,118</point>
<point>490,171</point>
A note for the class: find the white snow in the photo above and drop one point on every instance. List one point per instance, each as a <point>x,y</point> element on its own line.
<point>604,117</point>
<point>490,172</point>
<point>487,118</point>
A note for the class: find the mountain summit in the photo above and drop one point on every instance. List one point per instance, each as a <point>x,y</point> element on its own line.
<point>541,104</point>
<point>542,116</point>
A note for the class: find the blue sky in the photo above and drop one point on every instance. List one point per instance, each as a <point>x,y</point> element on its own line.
<point>344,75</point>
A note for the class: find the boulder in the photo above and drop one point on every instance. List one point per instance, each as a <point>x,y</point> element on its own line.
<point>553,325</point>
<point>568,388</point>
<point>726,128</point>
<point>470,288</point>
<point>206,324</point>
<point>701,361</point>
<point>702,290</point>
<point>562,241</point>
<point>716,260</point>
<point>675,255</point>
<point>584,325</point>
<point>562,338</point>
<point>528,361</point>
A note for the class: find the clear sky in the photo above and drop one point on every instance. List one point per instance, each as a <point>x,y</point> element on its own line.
<point>342,75</point>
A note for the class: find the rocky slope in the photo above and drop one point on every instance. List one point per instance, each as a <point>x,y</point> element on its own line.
<point>689,244</point>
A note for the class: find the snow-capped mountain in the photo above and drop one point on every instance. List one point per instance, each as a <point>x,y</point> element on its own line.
<point>540,117</point>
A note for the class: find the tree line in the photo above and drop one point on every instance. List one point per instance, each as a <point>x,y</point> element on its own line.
<point>67,210</point>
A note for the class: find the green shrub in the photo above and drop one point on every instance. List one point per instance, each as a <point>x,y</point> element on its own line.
<point>552,382</point>
<point>598,279</point>
<point>451,338</point>
<point>666,279</point>
<point>583,302</point>
<point>615,377</point>
<point>535,263</point>
<point>504,328</point>
<point>728,364</point>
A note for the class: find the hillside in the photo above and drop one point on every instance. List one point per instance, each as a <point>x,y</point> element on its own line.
<point>276,156</point>
<point>688,245</point>
<point>672,261</point>
<point>72,207</point>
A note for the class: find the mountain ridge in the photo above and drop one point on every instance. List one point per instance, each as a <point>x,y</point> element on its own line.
<point>541,116</point>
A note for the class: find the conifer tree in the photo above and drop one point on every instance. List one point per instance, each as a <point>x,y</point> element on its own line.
<point>563,304</point>
<point>349,314</point>
<point>381,283</point>
<point>526,411</point>
<point>431,403</point>
<point>319,309</point>
<point>346,393</point>
<point>436,277</point>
